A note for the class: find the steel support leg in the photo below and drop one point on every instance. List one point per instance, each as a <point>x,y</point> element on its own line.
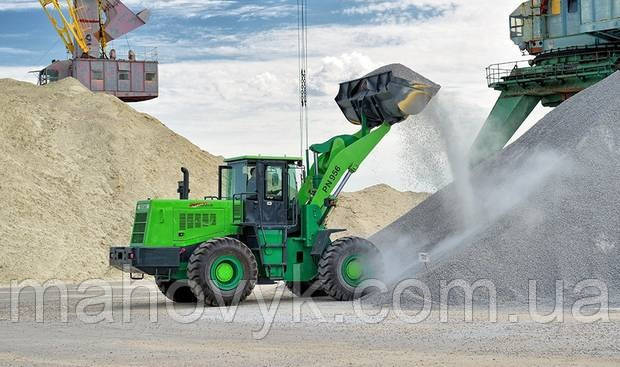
<point>506,117</point>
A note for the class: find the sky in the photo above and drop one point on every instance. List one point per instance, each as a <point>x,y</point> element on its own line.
<point>228,69</point>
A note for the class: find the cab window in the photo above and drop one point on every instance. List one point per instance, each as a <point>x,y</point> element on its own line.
<point>516,27</point>
<point>573,6</point>
<point>238,178</point>
<point>249,173</point>
<point>273,183</point>
<point>293,172</point>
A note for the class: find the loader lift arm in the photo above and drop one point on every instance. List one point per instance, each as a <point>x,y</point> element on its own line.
<point>374,102</point>
<point>338,158</point>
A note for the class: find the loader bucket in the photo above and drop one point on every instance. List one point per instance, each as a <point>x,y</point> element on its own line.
<point>389,94</point>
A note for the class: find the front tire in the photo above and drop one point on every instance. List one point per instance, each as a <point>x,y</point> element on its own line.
<point>345,264</point>
<point>222,271</point>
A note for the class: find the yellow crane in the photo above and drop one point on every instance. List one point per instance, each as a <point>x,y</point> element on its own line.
<point>86,27</point>
<point>69,29</point>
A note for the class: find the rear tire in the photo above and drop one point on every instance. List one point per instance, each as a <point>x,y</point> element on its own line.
<point>176,290</point>
<point>301,289</point>
<point>222,271</point>
<point>347,262</point>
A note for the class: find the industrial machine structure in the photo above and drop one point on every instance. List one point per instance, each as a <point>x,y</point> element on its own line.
<point>575,44</point>
<point>262,226</point>
<point>86,28</point>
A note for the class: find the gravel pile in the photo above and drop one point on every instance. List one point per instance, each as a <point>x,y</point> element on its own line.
<point>546,208</point>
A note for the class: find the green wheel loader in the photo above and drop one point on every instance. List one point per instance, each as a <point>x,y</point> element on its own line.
<point>267,222</point>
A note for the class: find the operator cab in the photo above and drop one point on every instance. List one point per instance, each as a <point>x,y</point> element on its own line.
<point>263,189</point>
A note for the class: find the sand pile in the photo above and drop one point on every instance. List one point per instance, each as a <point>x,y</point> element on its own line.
<point>546,208</point>
<point>365,212</point>
<point>74,164</point>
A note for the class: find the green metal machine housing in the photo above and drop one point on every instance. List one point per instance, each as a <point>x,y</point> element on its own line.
<point>267,222</point>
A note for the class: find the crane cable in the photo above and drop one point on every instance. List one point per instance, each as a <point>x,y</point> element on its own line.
<point>302,55</point>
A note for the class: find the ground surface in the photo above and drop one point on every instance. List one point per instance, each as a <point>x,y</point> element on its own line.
<point>342,340</point>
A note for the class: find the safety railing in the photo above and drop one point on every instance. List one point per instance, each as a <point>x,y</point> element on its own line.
<point>499,72</point>
<point>580,61</point>
<point>521,72</point>
<point>238,209</point>
<point>140,53</point>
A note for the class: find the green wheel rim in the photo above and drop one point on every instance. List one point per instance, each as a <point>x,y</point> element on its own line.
<point>226,272</point>
<point>352,270</point>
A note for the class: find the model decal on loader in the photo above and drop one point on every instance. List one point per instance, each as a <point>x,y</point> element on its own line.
<point>332,179</point>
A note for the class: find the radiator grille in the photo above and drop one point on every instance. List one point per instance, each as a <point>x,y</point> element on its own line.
<point>182,221</point>
<point>139,228</point>
<point>196,220</point>
<point>190,221</point>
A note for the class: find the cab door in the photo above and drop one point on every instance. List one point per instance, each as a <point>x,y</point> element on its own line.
<point>273,193</point>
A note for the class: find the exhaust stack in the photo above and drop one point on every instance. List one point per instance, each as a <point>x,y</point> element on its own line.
<point>183,189</point>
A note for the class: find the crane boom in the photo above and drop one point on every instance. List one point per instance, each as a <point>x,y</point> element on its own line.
<point>71,32</point>
<point>83,29</point>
